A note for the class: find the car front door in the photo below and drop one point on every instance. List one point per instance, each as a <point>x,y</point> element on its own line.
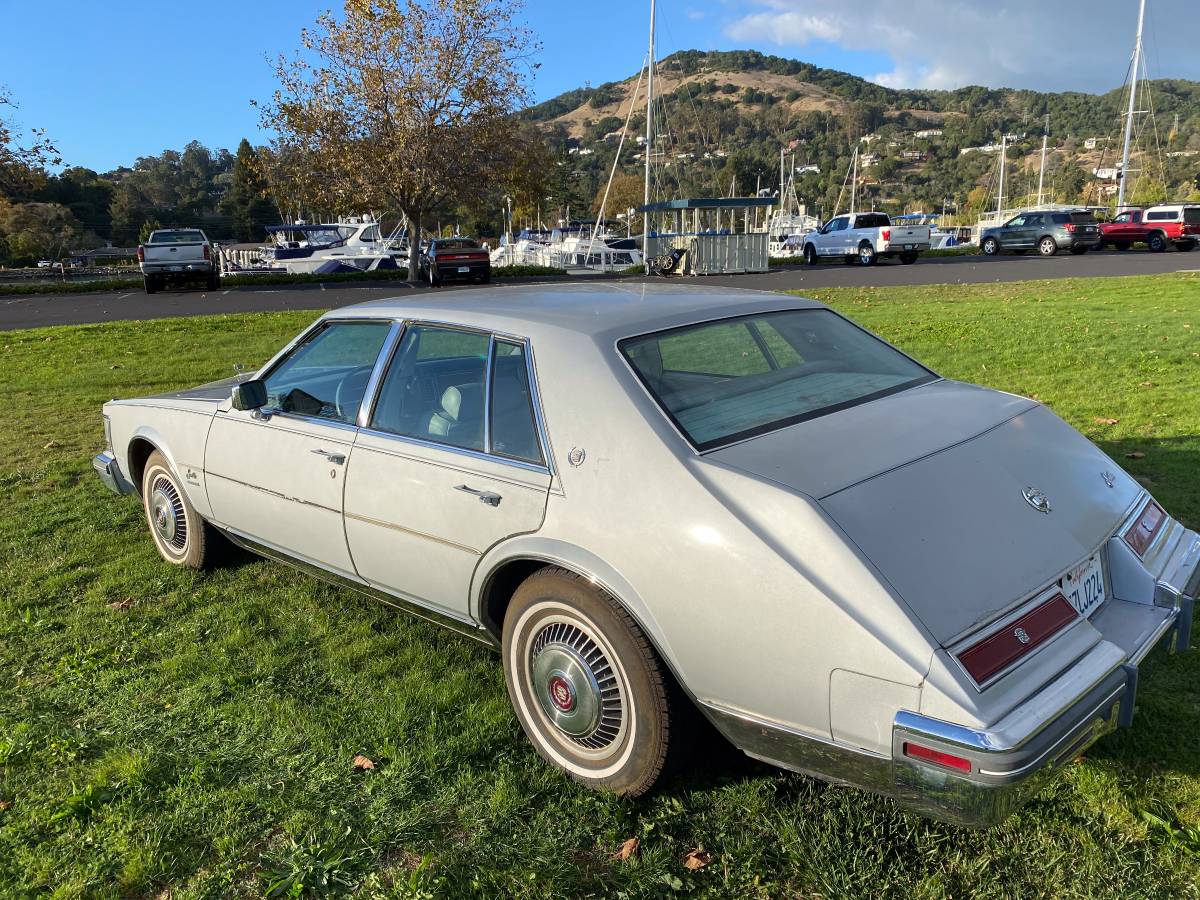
<point>276,475</point>
<point>833,240</point>
<point>451,461</point>
<point>1014,235</point>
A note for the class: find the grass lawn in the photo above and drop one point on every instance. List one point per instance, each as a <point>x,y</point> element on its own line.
<point>161,729</point>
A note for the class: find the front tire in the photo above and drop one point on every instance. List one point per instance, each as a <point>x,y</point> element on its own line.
<point>1047,246</point>
<point>990,247</point>
<point>586,685</point>
<point>867,255</point>
<point>181,536</point>
<point>810,255</point>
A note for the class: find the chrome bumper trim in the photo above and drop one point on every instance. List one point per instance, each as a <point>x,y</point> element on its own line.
<point>105,465</point>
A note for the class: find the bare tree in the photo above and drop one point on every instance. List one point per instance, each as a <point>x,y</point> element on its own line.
<point>401,105</point>
<point>21,167</point>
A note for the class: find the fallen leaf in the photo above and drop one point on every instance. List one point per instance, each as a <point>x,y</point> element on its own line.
<point>627,850</point>
<point>696,859</point>
<point>1136,454</point>
<point>115,366</point>
<point>49,445</point>
<point>1147,384</point>
<point>361,762</point>
<point>122,604</point>
<point>1100,420</point>
<point>4,804</point>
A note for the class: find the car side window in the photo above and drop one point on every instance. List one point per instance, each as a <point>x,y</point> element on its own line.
<point>1018,222</point>
<point>513,429</point>
<point>1123,218</point>
<point>1033,221</point>
<point>326,375</point>
<point>434,387</point>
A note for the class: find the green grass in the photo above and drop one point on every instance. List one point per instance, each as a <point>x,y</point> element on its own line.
<point>162,730</point>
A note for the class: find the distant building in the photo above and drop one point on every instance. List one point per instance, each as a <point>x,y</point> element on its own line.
<point>912,154</point>
<point>929,133</point>
<point>1090,143</point>
<point>805,170</point>
<point>1106,173</point>
<point>869,159</point>
<point>614,136</point>
<point>869,138</point>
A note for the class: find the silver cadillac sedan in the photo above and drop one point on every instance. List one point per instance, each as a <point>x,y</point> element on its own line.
<point>656,500</point>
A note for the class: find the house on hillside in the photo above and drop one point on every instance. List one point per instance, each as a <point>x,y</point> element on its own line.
<point>869,159</point>
<point>809,169</point>
<point>1105,173</point>
<point>868,138</point>
<point>926,133</point>
<point>915,155</point>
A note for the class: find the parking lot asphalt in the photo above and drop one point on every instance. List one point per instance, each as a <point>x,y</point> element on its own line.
<point>39,310</point>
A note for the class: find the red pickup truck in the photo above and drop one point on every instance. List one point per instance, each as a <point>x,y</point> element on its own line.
<point>1156,227</point>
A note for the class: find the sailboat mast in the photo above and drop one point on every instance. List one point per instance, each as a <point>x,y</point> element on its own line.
<point>1000,194</point>
<point>1133,76</point>
<point>854,183</point>
<point>1042,170</point>
<point>649,142</point>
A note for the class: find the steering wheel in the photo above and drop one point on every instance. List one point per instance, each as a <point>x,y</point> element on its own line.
<point>349,392</point>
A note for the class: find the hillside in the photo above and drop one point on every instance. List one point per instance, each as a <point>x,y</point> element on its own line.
<point>726,115</point>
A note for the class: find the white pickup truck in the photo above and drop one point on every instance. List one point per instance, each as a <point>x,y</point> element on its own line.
<point>865,236</point>
<point>176,255</point>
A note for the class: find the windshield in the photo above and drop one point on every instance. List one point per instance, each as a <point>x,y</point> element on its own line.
<point>731,379</point>
<point>177,237</point>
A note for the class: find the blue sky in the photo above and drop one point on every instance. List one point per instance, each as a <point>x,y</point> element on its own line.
<point>108,87</point>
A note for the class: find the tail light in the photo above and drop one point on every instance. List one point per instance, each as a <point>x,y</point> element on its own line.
<point>1001,649</point>
<point>1140,535</point>
<point>141,253</point>
<point>937,757</point>
<point>1070,227</point>
<point>206,256</point>
<point>886,234</point>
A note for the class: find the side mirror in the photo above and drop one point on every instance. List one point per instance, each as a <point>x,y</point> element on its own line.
<point>250,395</point>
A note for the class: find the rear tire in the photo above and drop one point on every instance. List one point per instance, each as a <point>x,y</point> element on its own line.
<point>1079,251</point>
<point>1186,246</point>
<point>181,536</point>
<point>151,284</point>
<point>1157,242</point>
<point>214,281</point>
<point>586,685</point>
<point>908,258</point>
<point>990,247</point>
<point>810,255</point>
<point>1047,246</point>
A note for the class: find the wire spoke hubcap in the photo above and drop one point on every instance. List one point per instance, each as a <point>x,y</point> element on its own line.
<point>166,513</point>
<point>576,686</point>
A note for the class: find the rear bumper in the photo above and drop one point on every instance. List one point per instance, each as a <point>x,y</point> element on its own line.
<point>449,271</point>
<point>1070,241</point>
<point>110,473</point>
<point>179,269</point>
<point>1014,758</point>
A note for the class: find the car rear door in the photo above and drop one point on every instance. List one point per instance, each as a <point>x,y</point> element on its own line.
<point>450,462</point>
<point>276,476</point>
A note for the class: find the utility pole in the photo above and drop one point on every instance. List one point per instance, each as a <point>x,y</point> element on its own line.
<point>1000,195</point>
<point>1133,80</point>
<point>1042,170</point>
<point>649,144</point>
<point>854,183</point>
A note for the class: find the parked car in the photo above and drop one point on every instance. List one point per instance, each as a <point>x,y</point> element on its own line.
<point>455,259</point>
<point>866,237</point>
<point>1046,232</point>
<point>45,263</point>
<point>175,256</point>
<point>854,567</point>
<point>1157,227</point>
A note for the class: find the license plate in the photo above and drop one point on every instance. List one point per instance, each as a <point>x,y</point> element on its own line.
<point>176,268</point>
<point>1084,586</point>
<point>463,269</point>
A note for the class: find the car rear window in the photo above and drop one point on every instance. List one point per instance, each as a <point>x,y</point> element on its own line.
<point>1191,215</point>
<point>1162,215</point>
<point>177,237</point>
<point>1075,218</point>
<point>458,244</point>
<point>731,379</point>
<point>872,220</point>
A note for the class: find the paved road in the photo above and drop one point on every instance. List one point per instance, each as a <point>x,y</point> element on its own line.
<point>73,309</point>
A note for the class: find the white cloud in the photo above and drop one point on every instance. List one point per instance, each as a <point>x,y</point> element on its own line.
<point>1003,43</point>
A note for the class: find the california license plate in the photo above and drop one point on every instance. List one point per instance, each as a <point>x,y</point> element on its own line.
<point>1084,586</point>
<point>176,268</point>
<point>463,269</point>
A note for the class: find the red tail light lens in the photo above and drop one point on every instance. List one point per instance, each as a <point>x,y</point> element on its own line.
<point>937,757</point>
<point>141,254</point>
<point>999,650</point>
<point>1070,227</point>
<point>206,256</point>
<point>1140,535</point>
<point>886,234</point>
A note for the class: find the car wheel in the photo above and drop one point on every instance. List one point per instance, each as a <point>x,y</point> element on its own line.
<point>866,254</point>
<point>1157,242</point>
<point>1078,251</point>
<point>1047,246</point>
<point>1185,246</point>
<point>585,683</point>
<point>214,282</point>
<point>810,255</point>
<point>151,284</point>
<point>181,536</point>
<point>434,281</point>
<point>908,258</point>
<point>990,246</point>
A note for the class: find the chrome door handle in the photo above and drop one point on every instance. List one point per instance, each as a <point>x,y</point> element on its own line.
<point>487,497</point>
<point>336,458</point>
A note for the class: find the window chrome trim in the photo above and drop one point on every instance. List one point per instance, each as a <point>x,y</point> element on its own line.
<point>450,448</point>
<point>535,397</point>
<point>488,370</point>
<point>274,362</point>
<point>390,343</point>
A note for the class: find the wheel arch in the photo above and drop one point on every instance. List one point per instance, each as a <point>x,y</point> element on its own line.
<point>503,570</point>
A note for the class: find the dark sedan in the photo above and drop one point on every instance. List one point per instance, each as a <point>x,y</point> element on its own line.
<point>455,259</point>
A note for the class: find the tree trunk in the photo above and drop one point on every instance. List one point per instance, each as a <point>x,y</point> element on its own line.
<point>414,247</point>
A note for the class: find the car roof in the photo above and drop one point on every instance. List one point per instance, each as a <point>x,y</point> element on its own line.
<point>603,309</point>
